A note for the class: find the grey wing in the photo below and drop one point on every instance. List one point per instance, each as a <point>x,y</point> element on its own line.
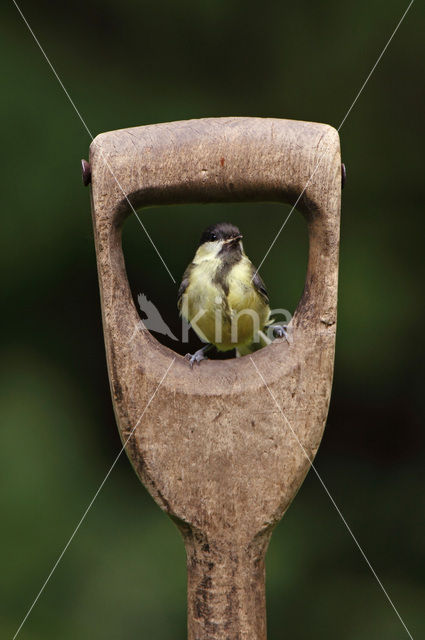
<point>183,286</point>
<point>259,286</point>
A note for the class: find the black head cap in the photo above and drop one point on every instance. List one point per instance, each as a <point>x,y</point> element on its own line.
<point>220,231</point>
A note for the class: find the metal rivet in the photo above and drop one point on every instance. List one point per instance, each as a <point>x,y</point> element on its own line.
<point>343,175</point>
<point>85,172</point>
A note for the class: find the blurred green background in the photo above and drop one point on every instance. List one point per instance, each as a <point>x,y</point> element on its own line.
<point>134,63</point>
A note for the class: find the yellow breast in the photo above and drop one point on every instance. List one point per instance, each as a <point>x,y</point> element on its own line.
<point>226,317</point>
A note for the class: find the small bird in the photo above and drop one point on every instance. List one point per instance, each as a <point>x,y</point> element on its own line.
<point>223,297</point>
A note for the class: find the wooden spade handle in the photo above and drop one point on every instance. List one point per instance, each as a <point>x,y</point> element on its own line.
<point>213,448</point>
<point>213,160</point>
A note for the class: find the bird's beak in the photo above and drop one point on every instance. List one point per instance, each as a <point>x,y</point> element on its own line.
<point>234,240</point>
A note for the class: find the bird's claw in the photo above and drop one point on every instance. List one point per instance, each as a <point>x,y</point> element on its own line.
<point>196,357</point>
<point>280,331</point>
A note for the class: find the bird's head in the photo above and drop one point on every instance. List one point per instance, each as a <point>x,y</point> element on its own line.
<point>219,240</point>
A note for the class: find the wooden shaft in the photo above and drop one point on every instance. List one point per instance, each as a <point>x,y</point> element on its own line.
<point>226,590</point>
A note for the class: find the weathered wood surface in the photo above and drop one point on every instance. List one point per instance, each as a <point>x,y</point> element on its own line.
<point>212,448</point>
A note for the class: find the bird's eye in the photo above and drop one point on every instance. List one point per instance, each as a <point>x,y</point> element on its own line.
<point>213,237</point>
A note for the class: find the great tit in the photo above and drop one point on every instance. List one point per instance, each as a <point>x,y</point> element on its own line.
<point>223,297</point>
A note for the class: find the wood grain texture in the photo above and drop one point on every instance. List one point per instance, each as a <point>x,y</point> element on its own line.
<point>212,448</point>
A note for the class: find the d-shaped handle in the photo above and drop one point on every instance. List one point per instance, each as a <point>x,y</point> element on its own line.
<point>213,448</point>
<point>229,160</point>
<point>216,160</point>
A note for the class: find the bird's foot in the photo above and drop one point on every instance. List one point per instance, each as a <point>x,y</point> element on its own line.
<point>280,331</point>
<point>198,356</point>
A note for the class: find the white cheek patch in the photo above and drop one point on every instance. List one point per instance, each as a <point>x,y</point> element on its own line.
<point>216,247</point>
<point>208,250</point>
